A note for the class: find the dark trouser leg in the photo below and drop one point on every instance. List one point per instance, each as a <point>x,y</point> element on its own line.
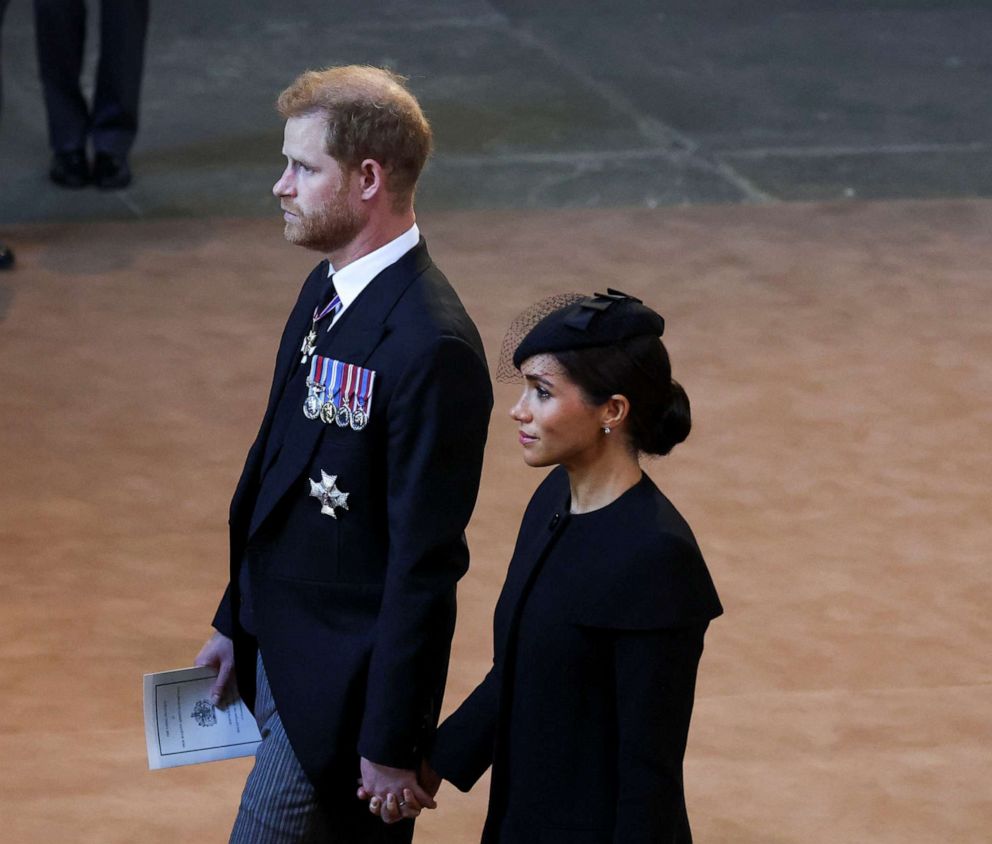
<point>6,256</point>
<point>123,26</point>
<point>60,33</point>
<point>3,8</point>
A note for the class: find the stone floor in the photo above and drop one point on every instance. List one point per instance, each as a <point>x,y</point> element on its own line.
<point>837,357</point>
<point>552,104</point>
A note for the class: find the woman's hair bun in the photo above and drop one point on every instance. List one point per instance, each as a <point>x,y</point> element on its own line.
<point>674,423</point>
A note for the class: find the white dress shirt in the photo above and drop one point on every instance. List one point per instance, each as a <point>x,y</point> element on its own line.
<point>354,278</point>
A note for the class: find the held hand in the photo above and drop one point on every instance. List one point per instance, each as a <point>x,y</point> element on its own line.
<point>380,784</point>
<point>218,653</point>
<point>392,810</point>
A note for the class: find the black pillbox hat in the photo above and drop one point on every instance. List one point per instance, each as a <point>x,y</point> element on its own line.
<point>598,320</point>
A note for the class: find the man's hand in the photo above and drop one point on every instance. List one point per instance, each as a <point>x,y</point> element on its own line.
<point>218,653</point>
<point>381,784</point>
<point>430,780</point>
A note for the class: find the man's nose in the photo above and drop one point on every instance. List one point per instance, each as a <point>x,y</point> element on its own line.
<point>282,187</point>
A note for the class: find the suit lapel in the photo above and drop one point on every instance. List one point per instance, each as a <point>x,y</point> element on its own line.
<point>352,339</point>
<point>287,358</point>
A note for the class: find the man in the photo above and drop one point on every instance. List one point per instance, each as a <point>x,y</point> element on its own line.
<point>347,523</point>
<point>112,121</point>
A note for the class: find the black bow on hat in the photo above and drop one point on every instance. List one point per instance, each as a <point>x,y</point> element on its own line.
<point>598,320</point>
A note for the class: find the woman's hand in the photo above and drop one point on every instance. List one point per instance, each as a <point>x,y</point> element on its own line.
<point>380,784</point>
<point>392,809</point>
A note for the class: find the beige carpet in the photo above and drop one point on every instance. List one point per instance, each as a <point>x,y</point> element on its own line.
<point>839,361</point>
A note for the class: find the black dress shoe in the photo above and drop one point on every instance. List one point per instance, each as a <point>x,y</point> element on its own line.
<point>111,172</point>
<point>70,169</point>
<point>6,257</point>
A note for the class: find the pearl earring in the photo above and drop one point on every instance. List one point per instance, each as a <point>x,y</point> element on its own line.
<point>606,429</point>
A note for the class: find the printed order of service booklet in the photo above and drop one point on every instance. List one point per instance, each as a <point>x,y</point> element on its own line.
<point>182,726</point>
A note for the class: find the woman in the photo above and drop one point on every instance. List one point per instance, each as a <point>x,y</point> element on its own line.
<point>599,627</point>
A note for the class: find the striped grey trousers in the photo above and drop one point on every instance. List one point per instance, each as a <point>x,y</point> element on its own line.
<point>279,804</point>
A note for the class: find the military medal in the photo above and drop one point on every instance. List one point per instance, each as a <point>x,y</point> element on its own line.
<point>339,393</point>
<point>358,419</point>
<point>316,387</point>
<point>328,494</point>
<point>310,341</point>
<point>361,398</point>
<point>312,406</point>
<point>330,408</point>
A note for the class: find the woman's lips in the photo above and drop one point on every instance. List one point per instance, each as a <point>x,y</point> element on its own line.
<point>525,439</point>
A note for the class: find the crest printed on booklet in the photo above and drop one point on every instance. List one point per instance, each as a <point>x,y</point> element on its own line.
<point>339,393</point>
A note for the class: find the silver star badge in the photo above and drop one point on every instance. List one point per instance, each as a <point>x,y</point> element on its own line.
<point>328,493</point>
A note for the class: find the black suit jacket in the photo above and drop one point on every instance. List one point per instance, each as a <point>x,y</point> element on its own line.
<point>354,615</point>
<point>585,723</point>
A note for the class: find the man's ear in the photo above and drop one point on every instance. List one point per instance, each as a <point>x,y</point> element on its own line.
<point>371,178</point>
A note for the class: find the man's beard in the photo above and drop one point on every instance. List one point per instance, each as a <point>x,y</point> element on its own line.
<point>336,225</point>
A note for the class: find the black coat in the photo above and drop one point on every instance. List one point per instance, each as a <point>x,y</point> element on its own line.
<point>354,615</point>
<point>585,713</point>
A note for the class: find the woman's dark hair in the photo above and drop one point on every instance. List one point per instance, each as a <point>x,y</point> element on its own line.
<point>639,369</point>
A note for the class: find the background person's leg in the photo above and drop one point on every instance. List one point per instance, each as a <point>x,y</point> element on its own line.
<point>123,28</point>
<point>6,254</point>
<point>60,36</point>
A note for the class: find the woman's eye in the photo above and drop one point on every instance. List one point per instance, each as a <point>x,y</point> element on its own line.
<point>542,393</point>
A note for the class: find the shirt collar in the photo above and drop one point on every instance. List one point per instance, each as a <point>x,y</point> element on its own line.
<point>354,278</point>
